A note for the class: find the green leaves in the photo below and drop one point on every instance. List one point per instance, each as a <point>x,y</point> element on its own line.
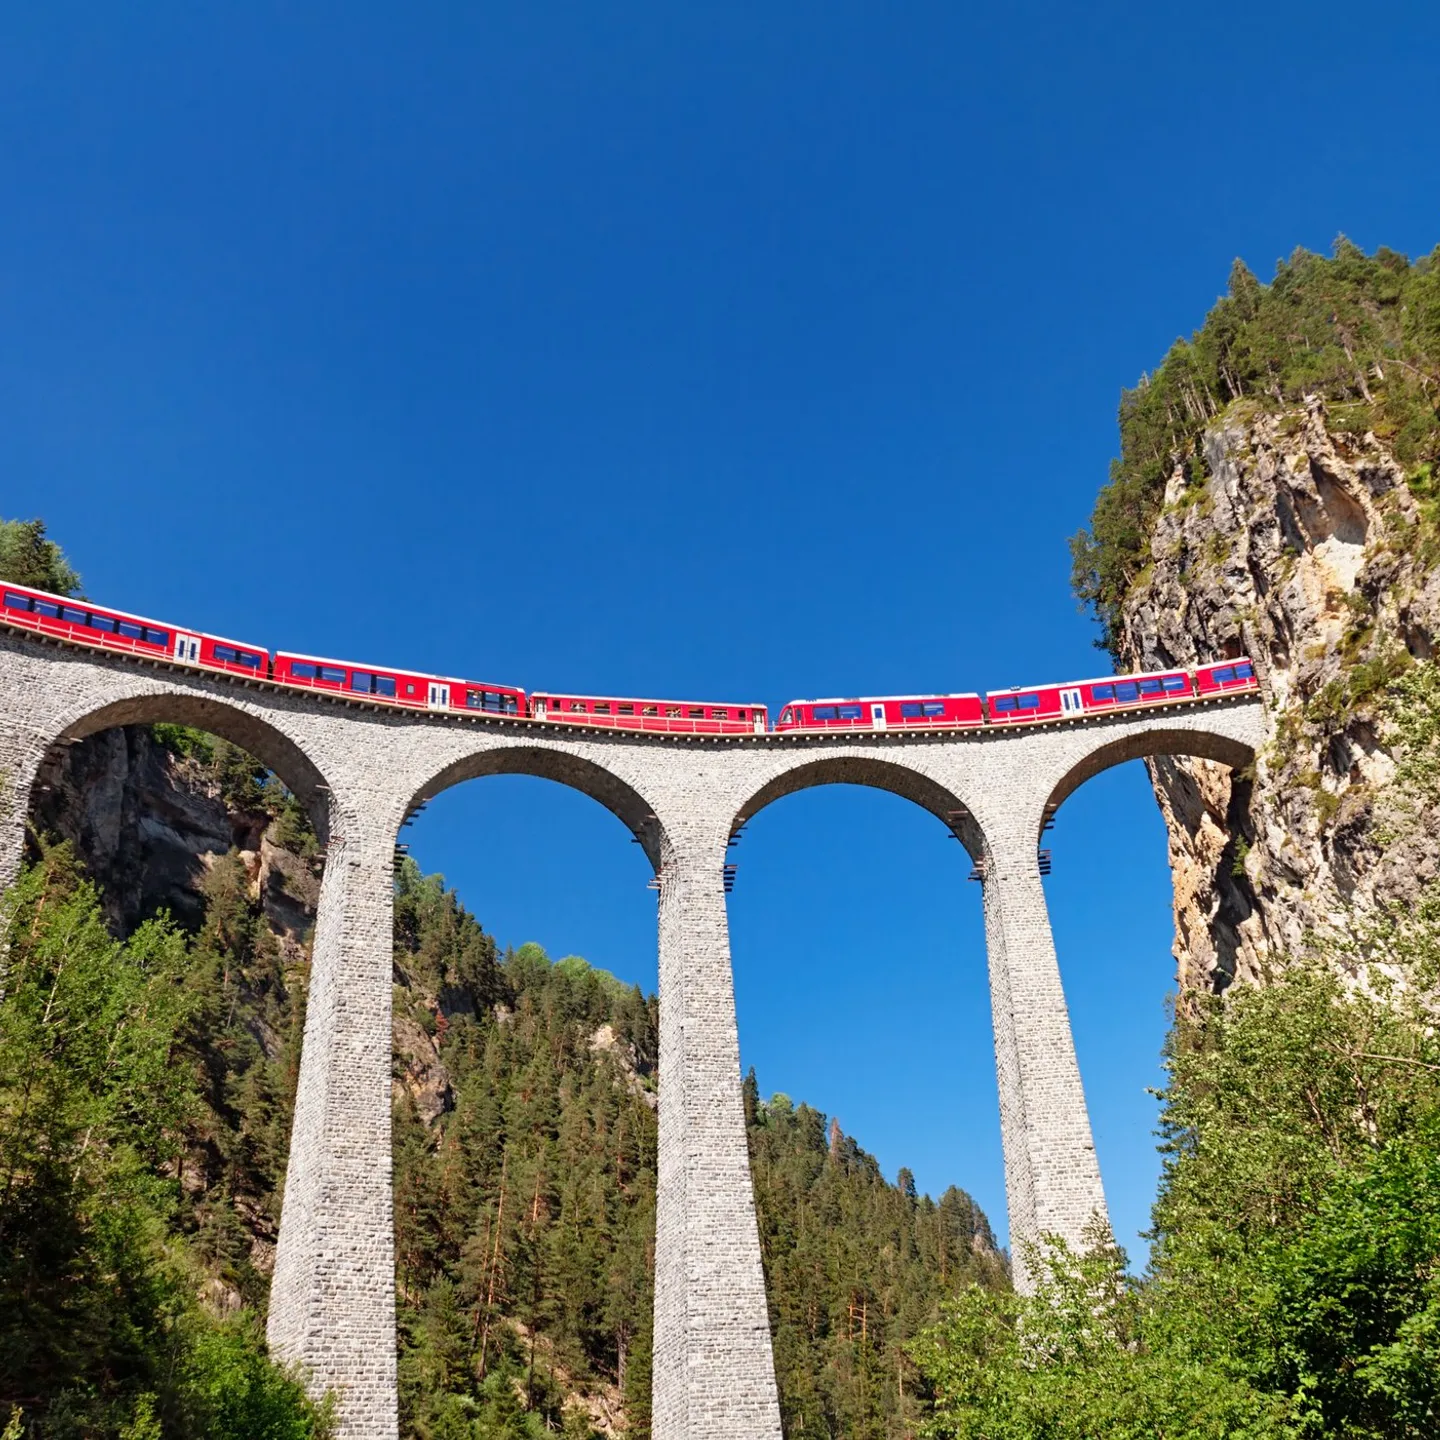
<point>1350,328</point>
<point>1294,1285</point>
<point>28,558</point>
<point>100,1329</point>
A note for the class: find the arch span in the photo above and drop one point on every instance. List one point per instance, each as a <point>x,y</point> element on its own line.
<point>1201,744</point>
<point>576,772</point>
<point>910,784</point>
<point>271,746</point>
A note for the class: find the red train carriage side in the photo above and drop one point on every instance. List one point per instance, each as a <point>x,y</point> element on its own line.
<point>1225,676</point>
<point>883,712</point>
<point>689,717</point>
<point>1029,704</point>
<point>397,687</point>
<point>88,624</point>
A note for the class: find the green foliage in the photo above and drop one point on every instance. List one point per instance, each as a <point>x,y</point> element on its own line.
<point>100,1331</point>
<point>1362,332</point>
<point>185,741</point>
<point>28,558</point>
<point>1294,1287</point>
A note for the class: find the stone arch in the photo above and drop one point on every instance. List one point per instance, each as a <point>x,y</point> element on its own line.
<point>253,733</point>
<point>1197,742</point>
<point>877,774</point>
<point>576,772</point>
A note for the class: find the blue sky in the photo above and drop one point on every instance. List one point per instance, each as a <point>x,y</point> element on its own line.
<point>737,351</point>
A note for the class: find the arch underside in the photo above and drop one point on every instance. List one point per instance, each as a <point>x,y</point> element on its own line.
<point>1144,745</point>
<point>269,745</point>
<point>573,771</point>
<point>901,780</point>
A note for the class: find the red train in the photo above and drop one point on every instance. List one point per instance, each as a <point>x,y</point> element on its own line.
<point>692,717</point>
<point>883,712</point>
<point>81,622</point>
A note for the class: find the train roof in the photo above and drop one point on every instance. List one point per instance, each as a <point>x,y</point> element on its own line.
<point>392,670</point>
<point>641,699</point>
<point>868,699</point>
<point>1102,679</point>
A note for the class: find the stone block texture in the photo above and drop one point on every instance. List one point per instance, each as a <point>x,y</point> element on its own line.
<point>360,768</point>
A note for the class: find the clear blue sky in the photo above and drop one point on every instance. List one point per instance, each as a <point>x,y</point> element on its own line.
<point>728,350</point>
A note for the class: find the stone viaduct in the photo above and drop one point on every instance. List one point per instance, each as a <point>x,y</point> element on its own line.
<point>360,769</point>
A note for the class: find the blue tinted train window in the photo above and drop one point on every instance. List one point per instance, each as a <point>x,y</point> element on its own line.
<point>16,602</point>
<point>75,617</point>
<point>1175,684</point>
<point>384,685</point>
<point>131,632</point>
<point>823,712</point>
<point>1244,672</point>
<point>330,673</point>
<point>1029,702</point>
<point>1004,702</point>
<point>849,712</point>
<point>224,652</point>
<point>1102,692</point>
<point>102,622</point>
<point>360,681</point>
<point>1225,675</point>
<point>45,607</point>
<point>157,637</point>
<point>934,707</point>
<point>1127,690</point>
<point>253,661</point>
<point>910,710</point>
<point>1149,687</point>
<point>493,700</point>
<point>301,671</point>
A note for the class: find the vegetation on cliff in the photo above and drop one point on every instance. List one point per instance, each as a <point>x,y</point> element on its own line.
<point>1294,1285</point>
<point>1360,331</point>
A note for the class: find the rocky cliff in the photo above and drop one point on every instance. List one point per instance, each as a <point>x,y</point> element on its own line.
<point>1307,546</point>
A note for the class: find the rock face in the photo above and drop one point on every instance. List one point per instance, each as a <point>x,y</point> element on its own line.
<point>1306,548</point>
<point>150,823</point>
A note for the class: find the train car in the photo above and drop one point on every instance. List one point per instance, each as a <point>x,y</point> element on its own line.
<point>87,624</point>
<point>883,712</point>
<point>1226,676</point>
<point>397,687</point>
<point>688,717</point>
<point>1026,705</point>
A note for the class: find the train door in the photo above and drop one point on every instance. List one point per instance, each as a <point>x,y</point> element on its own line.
<point>877,717</point>
<point>439,695</point>
<point>758,717</point>
<point>1071,703</point>
<point>539,708</point>
<point>186,647</point>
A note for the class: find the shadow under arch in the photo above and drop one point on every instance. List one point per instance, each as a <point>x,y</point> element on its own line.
<point>273,748</point>
<point>901,780</point>
<point>1199,744</point>
<point>573,771</point>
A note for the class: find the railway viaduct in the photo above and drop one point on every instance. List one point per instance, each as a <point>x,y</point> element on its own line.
<point>360,769</point>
